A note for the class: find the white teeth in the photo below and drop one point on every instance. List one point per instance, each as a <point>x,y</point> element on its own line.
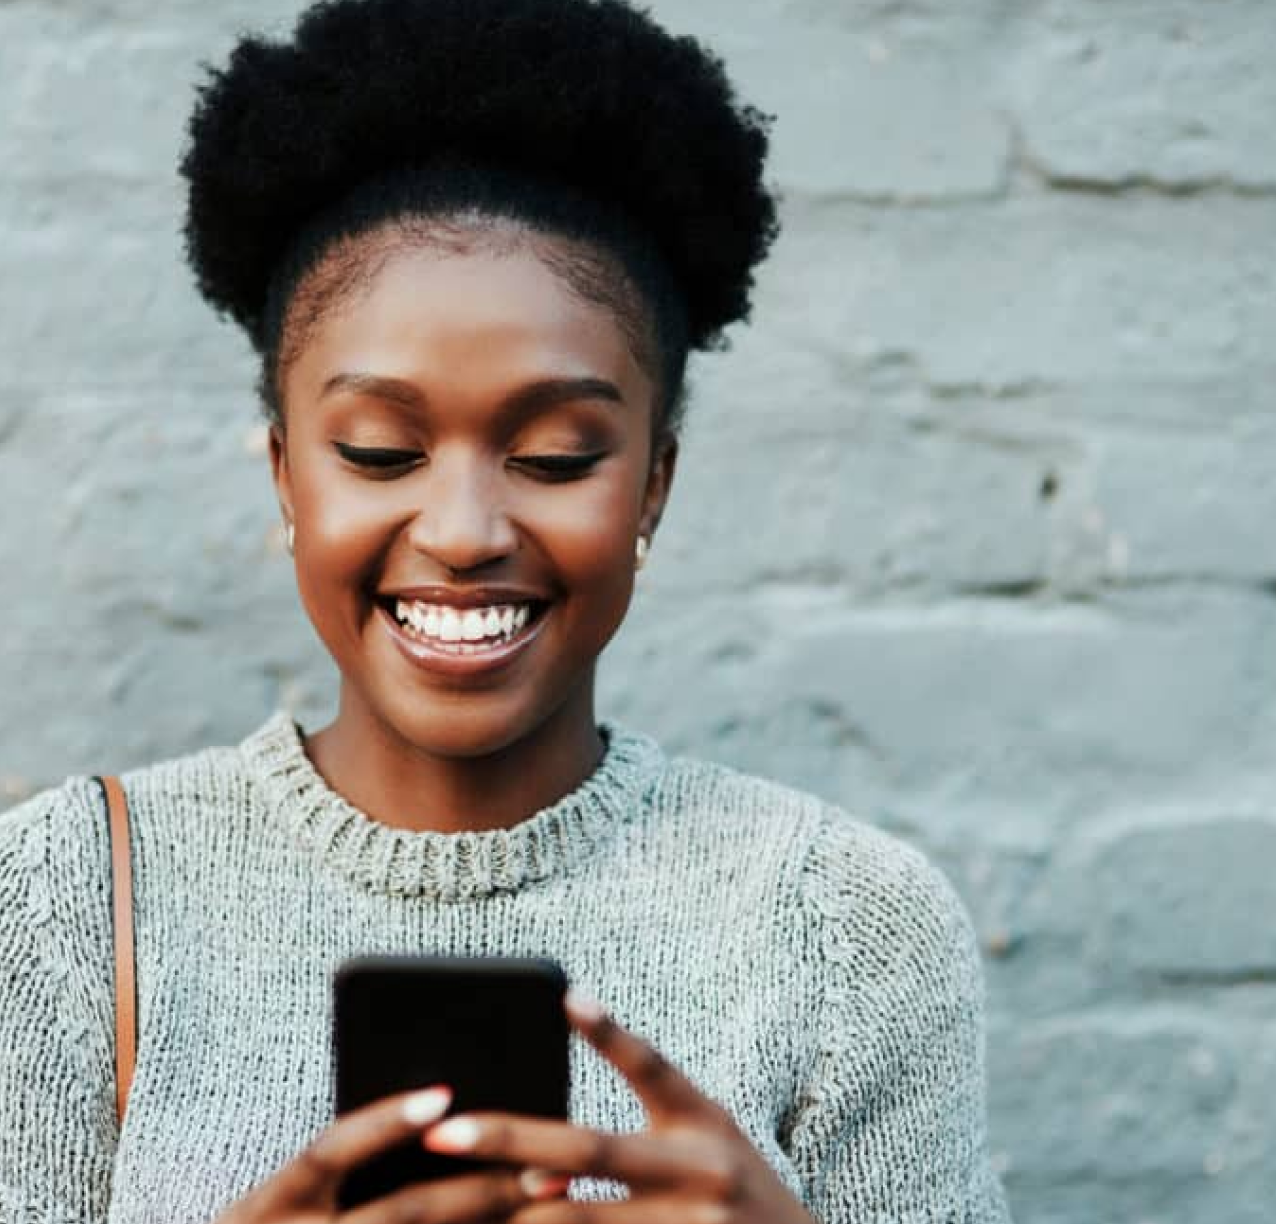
<point>450,629</point>
<point>470,625</point>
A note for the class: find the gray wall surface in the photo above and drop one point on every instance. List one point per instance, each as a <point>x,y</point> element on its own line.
<point>973,532</point>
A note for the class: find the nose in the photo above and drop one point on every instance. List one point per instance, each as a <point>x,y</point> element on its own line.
<point>462,522</point>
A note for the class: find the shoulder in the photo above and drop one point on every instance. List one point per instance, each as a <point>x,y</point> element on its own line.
<point>717,800</point>
<point>873,906</point>
<point>717,832</point>
<point>51,844</point>
<point>845,868</point>
<point>846,873</point>
<point>880,899</point>
<point>54,908</point>
<point>182,788</point>
<point>55,846</point>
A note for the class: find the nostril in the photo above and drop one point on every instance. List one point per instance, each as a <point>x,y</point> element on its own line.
<point>462,545</point>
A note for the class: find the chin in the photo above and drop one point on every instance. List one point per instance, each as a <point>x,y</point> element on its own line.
<point>470,726</point>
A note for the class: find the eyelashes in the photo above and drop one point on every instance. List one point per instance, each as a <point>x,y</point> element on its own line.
<point>386,461</point>
<point>558,465</point>
<point>378,457</point>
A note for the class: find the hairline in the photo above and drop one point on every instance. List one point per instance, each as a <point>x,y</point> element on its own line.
<point>460,231</point>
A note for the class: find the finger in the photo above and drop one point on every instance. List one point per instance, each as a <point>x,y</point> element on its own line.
<point>355,1137</point>
<point>663,1089</point>
<point>683,1157</point>
<point>542,1184</point>
<point>664,1209</point>
<point>467,1199</point>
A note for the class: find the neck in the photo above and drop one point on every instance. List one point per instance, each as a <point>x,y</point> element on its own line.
<point>399,783</point>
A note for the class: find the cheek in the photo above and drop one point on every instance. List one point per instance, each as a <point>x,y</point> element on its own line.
<point>341,535</point>
<point>590,536</point>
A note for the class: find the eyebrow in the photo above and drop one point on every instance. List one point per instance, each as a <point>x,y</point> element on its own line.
<point>543,394</point>
<point>395,390</point>
<point>551,391</point>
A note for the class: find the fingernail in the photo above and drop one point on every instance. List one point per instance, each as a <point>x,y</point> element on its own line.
<point>585,1007</point>
<point>455,1135</point>
<point>422,1108</point>
<point>538,1184</point>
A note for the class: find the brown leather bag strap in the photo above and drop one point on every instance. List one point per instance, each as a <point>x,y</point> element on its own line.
<point>122,917</point>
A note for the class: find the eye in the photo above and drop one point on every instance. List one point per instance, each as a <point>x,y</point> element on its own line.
<point>379,459</point>
<point>558,467</point>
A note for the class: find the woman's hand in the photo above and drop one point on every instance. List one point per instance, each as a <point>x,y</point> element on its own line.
<point>305,1190</point>
<point>692,1165</point>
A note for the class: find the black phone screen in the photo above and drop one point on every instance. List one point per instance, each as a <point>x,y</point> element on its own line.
<point>492,1030</point>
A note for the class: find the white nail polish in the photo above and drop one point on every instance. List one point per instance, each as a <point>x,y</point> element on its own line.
<point>422,1108</point>
<point>586,1007</point>
<point>538,1184</point>
<point>458,1135</point>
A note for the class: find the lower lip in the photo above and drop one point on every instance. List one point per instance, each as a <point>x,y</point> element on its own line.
<point>477,661</point>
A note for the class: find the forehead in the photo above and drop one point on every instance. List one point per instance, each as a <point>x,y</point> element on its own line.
<point>478,317</point>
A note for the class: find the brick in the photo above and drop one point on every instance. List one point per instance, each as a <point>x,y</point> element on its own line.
<point>978,720</point>
<point>875,506</point>
<point>1127,1118</point>
<point>1172,92</point>
<point>100,293</point>
<point>104,90</point>
<point>870,100</point>
<point>1246,1198</point>
<point>1190,505</point>
<point>890,485</point>
<point>1180,902</point>
<point>1144,900</point>
<point>1039,289</point>
<point>1111,1100</point>
<point>1142,485</point>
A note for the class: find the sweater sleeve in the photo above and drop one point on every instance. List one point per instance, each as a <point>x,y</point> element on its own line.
<point>891,1125</point>
<point>57,1121</point>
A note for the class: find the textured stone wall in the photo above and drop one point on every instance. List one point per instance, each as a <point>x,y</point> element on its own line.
<point>973,531</point>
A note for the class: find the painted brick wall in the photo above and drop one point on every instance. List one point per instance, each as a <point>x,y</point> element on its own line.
<point>973,532</point>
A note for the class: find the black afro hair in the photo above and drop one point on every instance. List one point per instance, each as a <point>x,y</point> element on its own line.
<point>592,95</point>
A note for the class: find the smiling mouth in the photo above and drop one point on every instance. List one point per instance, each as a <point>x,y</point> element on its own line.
<point>464,631</point>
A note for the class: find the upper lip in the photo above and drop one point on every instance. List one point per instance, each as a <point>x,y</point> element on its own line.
<point>465,597</point>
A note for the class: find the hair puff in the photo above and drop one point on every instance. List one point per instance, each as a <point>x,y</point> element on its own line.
<point>591,94</point>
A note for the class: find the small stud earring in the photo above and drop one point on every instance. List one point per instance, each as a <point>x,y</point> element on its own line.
<point>290,538</point>
<point>641,548</point>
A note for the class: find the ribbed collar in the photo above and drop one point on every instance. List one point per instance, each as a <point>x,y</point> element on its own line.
<point>449,866</point>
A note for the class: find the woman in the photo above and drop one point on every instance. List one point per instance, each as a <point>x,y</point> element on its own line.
<point>473,242</point>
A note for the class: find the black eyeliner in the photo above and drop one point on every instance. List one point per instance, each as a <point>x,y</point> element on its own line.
<point>376,456</point>
<point>560,464</point>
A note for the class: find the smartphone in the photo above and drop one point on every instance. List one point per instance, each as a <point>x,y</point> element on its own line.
<point>493,1030</point>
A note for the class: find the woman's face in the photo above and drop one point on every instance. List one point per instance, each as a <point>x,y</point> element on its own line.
<point>467,458</point>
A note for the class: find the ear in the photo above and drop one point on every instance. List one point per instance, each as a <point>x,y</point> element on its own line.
<point>659,482</point>
<point>279,469</point>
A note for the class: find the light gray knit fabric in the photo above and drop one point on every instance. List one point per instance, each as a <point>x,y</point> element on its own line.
<point>812,974</point>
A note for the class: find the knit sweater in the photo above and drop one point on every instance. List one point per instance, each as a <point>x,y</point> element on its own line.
<point>814,975</point>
